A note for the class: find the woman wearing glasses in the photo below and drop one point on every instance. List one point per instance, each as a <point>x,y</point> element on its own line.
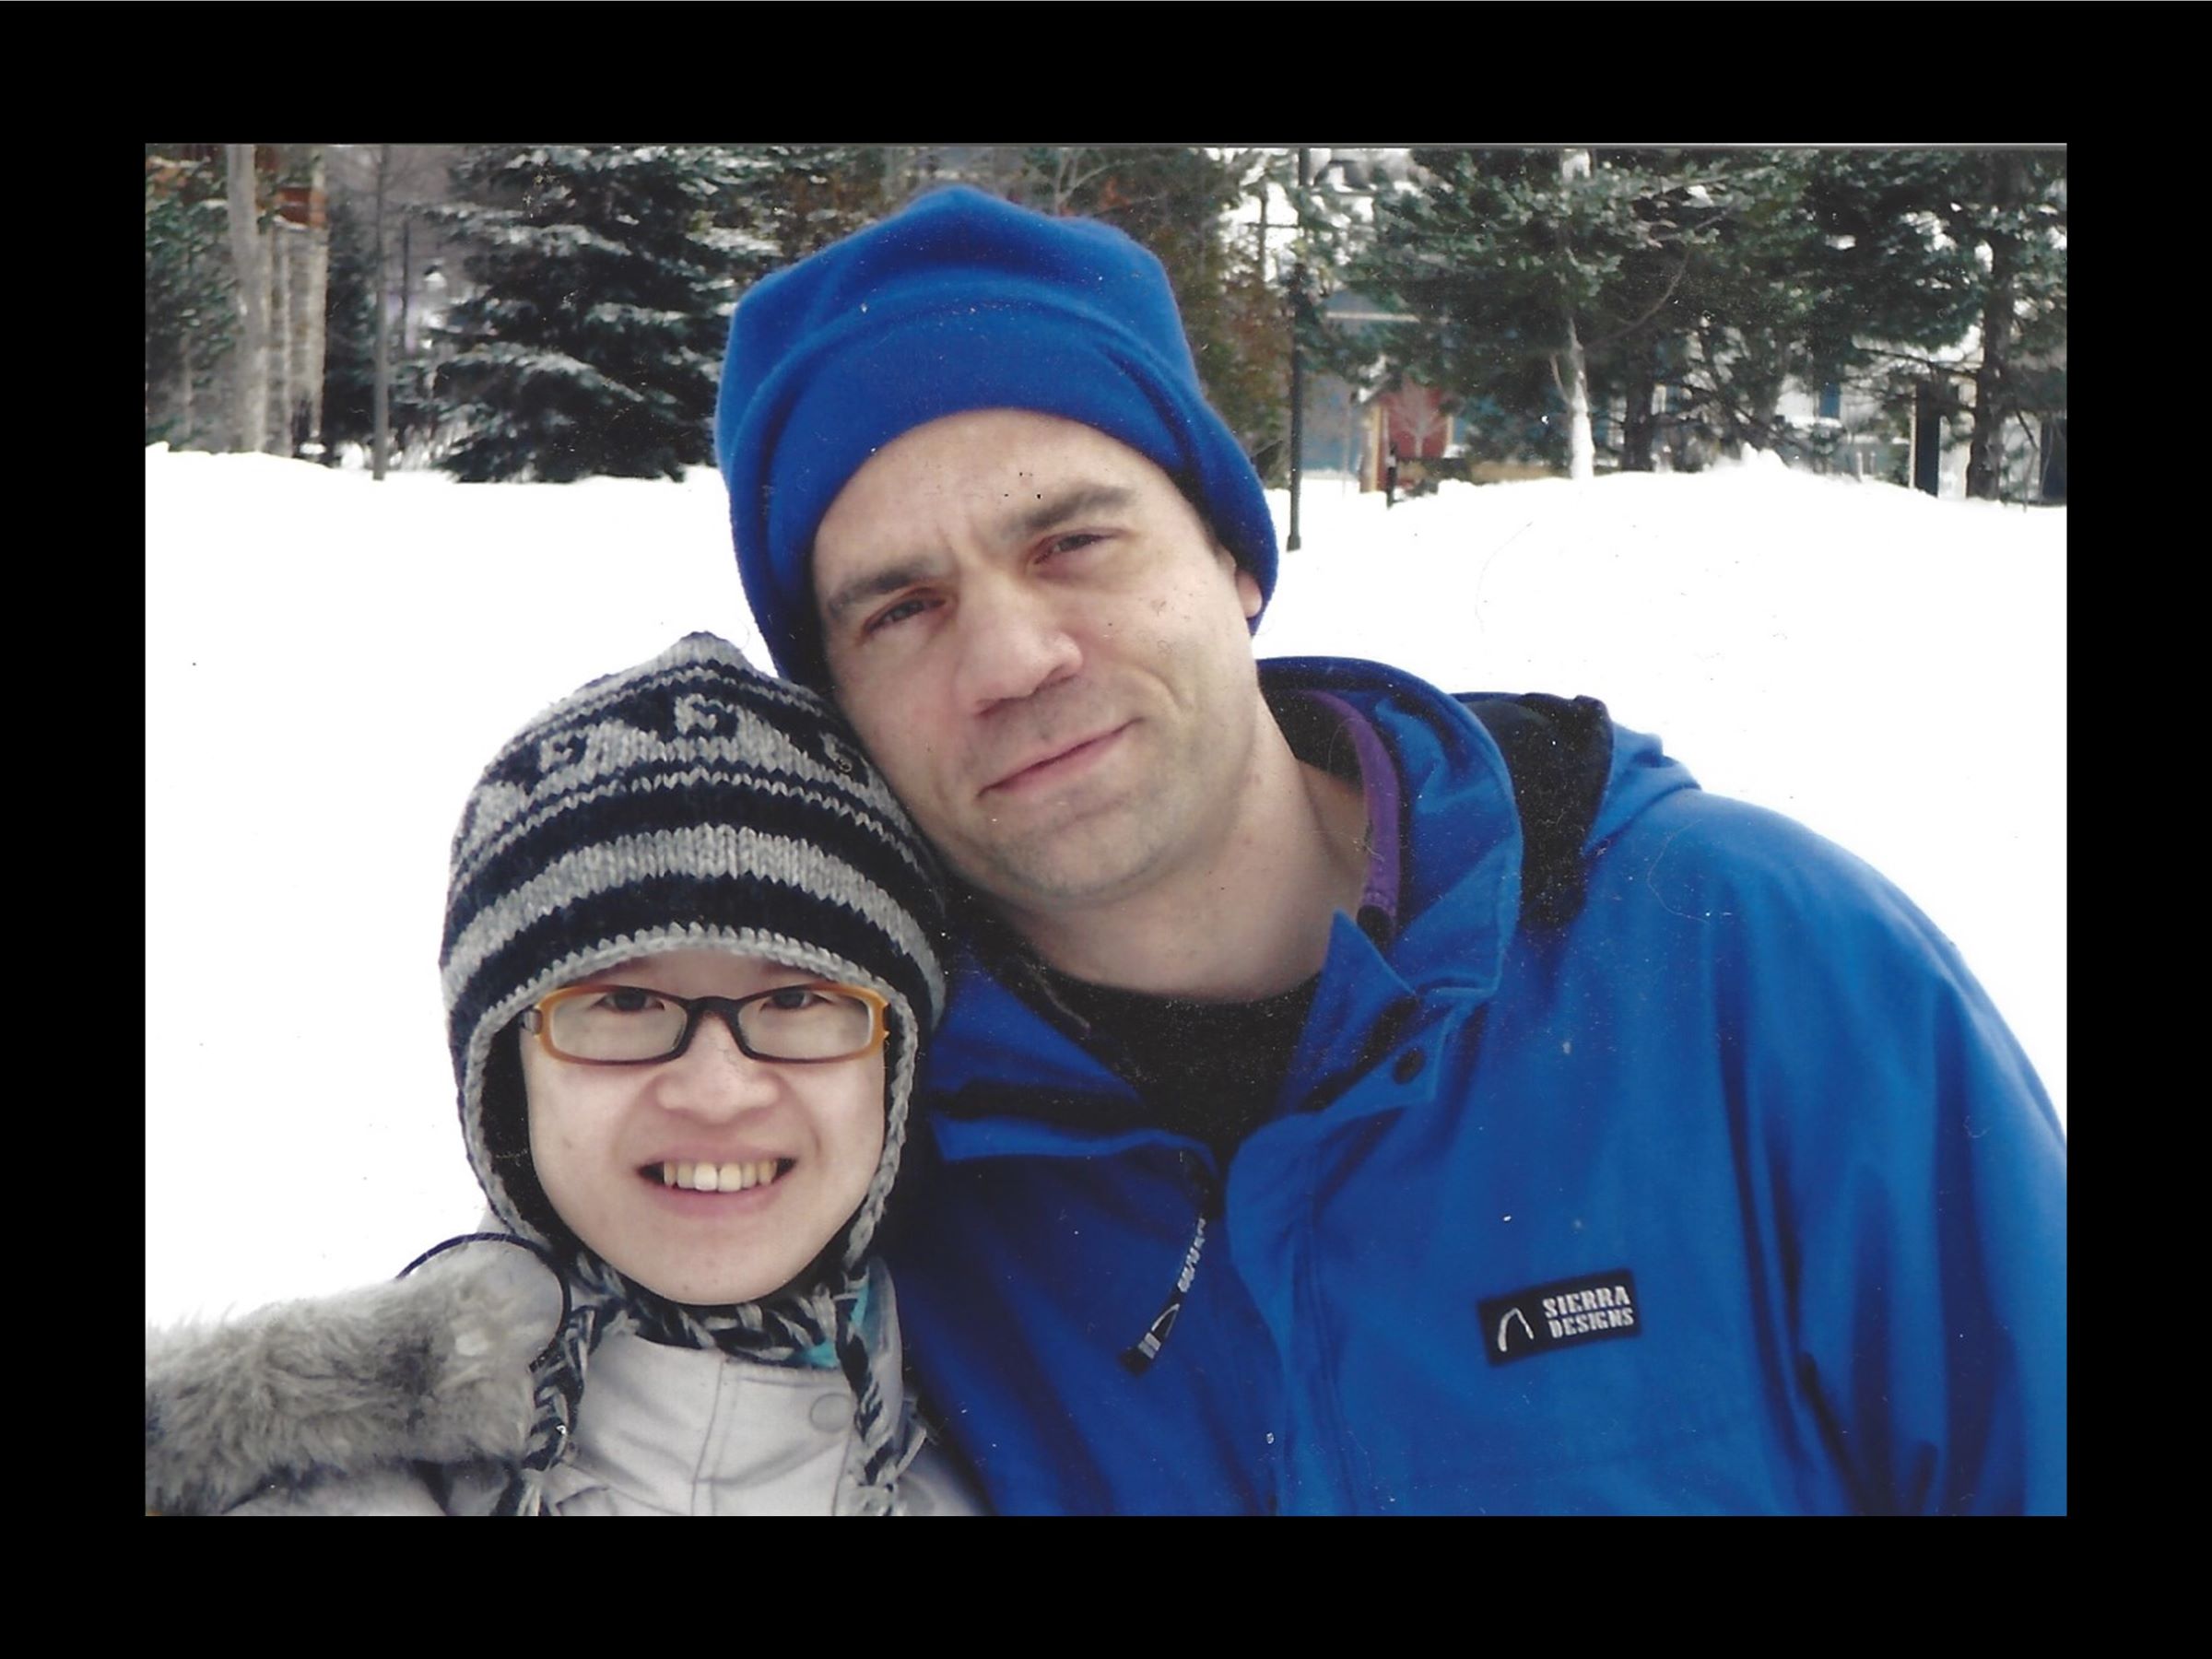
<point>690,954</point>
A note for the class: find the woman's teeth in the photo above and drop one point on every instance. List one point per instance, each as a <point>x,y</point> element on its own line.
<point>721,1178</point>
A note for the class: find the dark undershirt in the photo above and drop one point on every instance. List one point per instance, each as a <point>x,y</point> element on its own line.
<point>1214,1071</point>
<point>1208,1070</point>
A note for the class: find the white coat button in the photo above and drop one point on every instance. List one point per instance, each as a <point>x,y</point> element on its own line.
<point>831,1412</point>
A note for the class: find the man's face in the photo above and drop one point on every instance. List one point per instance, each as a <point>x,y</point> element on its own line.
<point>1047,653</point>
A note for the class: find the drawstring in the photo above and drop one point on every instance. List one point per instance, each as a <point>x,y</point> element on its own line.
<point>539,1251</point>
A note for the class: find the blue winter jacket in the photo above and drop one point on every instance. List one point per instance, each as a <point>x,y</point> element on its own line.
<point>1734,1194</point>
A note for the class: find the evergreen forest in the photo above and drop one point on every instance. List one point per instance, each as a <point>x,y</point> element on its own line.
<point>551,312</point>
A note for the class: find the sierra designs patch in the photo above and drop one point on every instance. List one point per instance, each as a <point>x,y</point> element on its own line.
<point>1595,1307</point>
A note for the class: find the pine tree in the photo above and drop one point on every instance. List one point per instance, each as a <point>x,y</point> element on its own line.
<point>605,279</point>
<point>1531,273</point>
<point>1725,276</point>
<point>1710,320</point>
<point>1729,308</point>
<point>1176,201</point>
<point>1859,267</point>
<point>190,319</point>
<point>802,197</point>
<point>349,368</point>
<point>2007,209</point>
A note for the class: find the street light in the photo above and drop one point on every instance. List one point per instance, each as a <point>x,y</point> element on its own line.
<point>1298,382</point>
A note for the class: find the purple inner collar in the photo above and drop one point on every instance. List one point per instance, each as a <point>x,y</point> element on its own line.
<point>1379,784</point>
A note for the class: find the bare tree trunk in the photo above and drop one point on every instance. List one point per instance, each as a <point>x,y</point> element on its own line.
<point>381,445</point>
<point>304,240</point>
<point>1581,451</point>
<point>406,286</point>
<point>1293,538</point>
<point>1636,426</point>
<point>250,268</point>
<point>1986,449</point>
<point>279,242</point>
<point>184,361</point>
<point>1765,416</point>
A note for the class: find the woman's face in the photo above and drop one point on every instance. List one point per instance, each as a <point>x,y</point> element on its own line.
<point>617,1148</point>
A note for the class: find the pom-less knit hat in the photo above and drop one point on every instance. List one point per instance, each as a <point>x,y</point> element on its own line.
<point>959,302</point>
<point>690,803</point>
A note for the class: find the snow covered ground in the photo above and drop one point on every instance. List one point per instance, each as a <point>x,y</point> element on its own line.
<point>329,663</point>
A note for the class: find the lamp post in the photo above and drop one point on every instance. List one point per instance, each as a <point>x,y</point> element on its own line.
<point>1297,377</point>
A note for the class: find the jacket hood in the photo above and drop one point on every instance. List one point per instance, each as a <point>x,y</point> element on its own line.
<point>432,1367</point>
<point>1471,853</point>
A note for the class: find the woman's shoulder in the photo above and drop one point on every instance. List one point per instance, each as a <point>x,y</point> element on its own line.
<point>336,1401</point>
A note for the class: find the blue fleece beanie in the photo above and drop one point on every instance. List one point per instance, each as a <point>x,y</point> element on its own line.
<point>961,301</point>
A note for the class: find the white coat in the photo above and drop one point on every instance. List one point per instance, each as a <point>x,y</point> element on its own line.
<point>413,1398</point>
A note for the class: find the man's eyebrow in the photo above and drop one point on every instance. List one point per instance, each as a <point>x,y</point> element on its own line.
<point>1047,512</point>
<point>1072,503</point>
<point>874,585</point>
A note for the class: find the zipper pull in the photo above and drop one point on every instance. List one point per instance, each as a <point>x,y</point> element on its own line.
<point>1138,1357</point>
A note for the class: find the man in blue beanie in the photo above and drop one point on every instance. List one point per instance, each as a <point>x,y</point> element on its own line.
<point>1355,1098</point>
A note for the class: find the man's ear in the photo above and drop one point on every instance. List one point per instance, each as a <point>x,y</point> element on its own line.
<point>1248,591</point>
<point>1247,587</point>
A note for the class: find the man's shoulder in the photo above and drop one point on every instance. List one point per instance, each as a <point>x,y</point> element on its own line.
<point>1694,848</point>
<point>1805,948</point>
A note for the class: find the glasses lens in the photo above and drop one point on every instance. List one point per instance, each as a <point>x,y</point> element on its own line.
<point>808,1022</point>
<point>615,1022</point>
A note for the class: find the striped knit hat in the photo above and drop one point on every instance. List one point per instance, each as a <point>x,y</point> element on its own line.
<point>690,803</point>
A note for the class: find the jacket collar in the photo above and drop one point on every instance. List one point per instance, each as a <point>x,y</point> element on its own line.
<point>1004,1051</point>
<point>685,1431</point>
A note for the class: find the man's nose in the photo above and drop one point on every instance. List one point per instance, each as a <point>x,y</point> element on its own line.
<point>1014,642</point>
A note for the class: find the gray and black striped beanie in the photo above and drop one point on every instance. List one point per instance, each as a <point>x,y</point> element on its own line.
<point>690,803</point>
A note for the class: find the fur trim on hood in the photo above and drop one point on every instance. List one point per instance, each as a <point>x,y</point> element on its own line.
<point>433,1368</point>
